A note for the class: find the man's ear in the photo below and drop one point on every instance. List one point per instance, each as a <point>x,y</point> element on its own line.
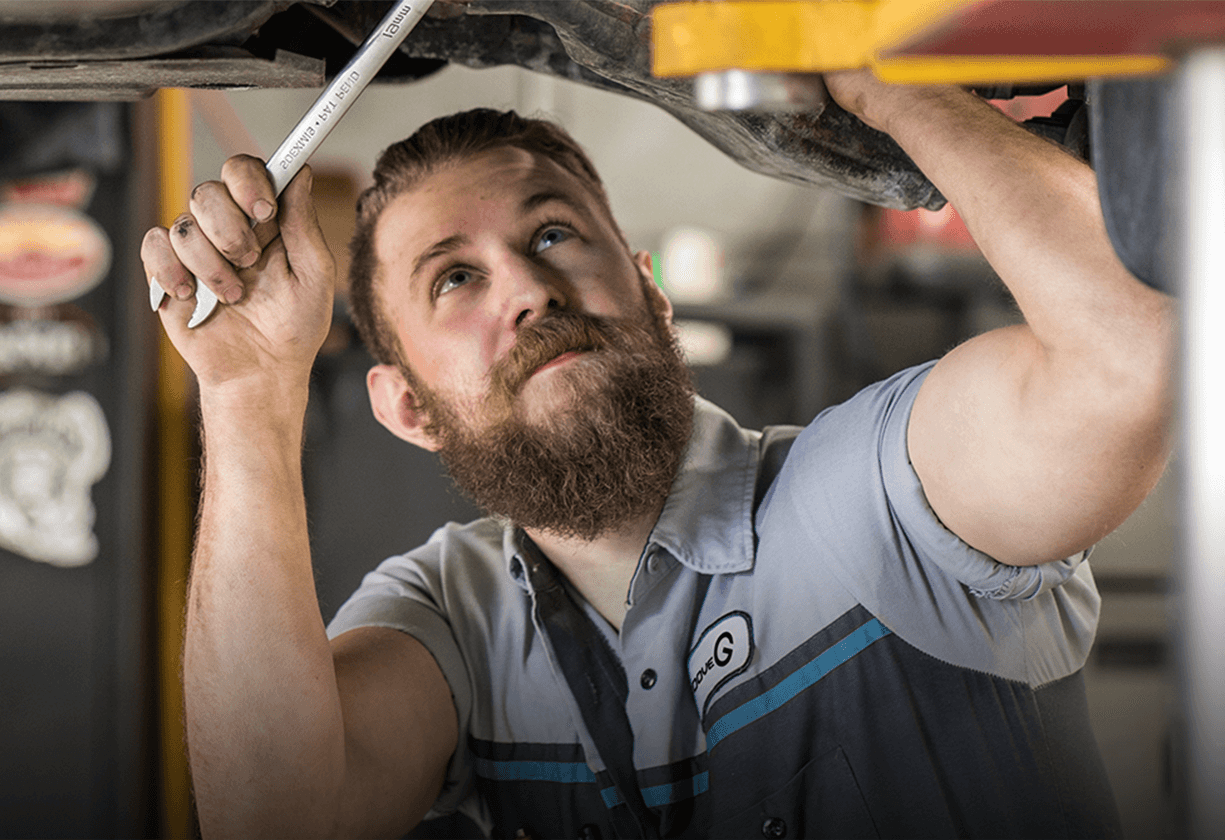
<point>395,406</point>
<point>656,299</point>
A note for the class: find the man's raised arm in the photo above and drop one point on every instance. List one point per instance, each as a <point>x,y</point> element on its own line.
<point>288,735</point>
<point>1031,442</point>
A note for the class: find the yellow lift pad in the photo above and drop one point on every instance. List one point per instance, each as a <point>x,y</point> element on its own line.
<point>813,36</point>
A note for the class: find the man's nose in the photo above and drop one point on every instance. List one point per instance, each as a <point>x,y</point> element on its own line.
<point>527,291</point>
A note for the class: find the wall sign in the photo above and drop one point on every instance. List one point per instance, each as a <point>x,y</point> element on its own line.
<point>70,188</point>
<point>52,451</point>
<point>49,254</point>
<point>53,340</point>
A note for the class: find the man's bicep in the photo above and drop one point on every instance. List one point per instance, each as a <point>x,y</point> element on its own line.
<point>1020,468</point>
<point>400,730</point>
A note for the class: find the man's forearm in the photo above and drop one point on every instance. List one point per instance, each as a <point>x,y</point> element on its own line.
<point>264,720</point>
<point>1034,212</point>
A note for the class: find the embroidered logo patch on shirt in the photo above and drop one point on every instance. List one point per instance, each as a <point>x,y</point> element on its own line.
<point>723,651</point>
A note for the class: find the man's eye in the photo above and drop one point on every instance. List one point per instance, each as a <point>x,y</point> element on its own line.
<point>551,237</point>
<point>453,280</point>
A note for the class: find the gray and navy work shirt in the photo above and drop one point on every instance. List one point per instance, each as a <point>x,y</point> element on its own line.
<point>828,662</point>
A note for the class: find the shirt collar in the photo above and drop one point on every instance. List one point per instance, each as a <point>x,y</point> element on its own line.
<point>707,520</point>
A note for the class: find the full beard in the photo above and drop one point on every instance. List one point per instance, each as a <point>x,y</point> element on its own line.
<point>606,458</point>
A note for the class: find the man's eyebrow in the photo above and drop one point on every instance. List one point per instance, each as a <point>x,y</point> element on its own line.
<point>545,196</point>
<point>438,249</point>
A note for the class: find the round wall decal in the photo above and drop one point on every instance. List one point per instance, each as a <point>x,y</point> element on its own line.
<point>49,254</point>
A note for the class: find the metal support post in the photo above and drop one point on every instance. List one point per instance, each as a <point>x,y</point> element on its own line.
<point>1201,196</point>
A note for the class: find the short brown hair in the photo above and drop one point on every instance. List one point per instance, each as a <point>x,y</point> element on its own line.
<point>403,165</point>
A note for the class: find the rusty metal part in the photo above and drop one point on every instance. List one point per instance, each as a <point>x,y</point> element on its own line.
<point>113,80</point>
<point>32,30</point>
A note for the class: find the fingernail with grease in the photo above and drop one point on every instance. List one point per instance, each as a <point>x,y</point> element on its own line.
<point>233,294</point>
<point>263,210</point>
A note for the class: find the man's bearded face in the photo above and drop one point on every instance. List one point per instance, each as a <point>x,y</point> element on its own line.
<point>608,452</point>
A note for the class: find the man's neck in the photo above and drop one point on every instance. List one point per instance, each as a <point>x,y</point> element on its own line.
<point>600,569</point>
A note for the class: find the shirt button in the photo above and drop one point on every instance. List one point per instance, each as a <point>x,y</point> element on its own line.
<point>648,679</point>
<point>589,832</point>
<point>774,828</point>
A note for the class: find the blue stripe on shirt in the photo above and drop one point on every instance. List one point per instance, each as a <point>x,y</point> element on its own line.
<point>575,772</point>
<point>805,677</point>
<point>664,794</point>
<point>566,772</point>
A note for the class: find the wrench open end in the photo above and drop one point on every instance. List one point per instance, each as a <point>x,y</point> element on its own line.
<point>206,302</point>
<point>156,294</point>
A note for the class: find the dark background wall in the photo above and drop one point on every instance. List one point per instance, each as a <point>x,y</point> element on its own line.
<point>76,665</point>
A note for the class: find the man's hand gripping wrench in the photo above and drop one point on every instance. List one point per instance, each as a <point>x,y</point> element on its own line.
<point>318,122</point>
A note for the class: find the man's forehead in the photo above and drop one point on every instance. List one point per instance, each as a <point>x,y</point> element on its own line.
<point>498,169</point>
<point>456,193</point>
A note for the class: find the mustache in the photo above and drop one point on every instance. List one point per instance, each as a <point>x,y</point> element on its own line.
<point>543,340</point>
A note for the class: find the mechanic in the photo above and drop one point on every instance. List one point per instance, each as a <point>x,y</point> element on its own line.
<point>666,628</point>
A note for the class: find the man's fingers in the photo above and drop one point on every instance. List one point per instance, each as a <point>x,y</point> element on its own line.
<point>199,256</point>
<point>162,265</point>
<point>247,181</point>
<point>214,242</point>
<point>305,247</point>
<point>224,223</point>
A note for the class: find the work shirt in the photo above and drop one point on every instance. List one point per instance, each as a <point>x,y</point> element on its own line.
<point>825,661</point>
